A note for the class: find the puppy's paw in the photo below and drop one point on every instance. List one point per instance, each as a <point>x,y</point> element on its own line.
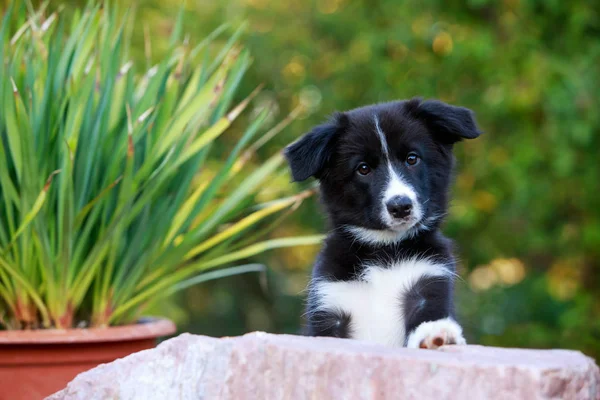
<point>435,334</point>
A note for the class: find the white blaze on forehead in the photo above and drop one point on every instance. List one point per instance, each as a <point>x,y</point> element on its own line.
<point>396,185</point>
<point>384,145</point>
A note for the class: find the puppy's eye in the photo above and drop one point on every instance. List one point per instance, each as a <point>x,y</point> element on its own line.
<point>363,169</point>
<point>412,159</point>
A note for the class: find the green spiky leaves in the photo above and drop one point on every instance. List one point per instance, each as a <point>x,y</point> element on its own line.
<point>107,200</point>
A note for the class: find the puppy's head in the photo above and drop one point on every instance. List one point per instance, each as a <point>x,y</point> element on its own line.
<point>384,169</point>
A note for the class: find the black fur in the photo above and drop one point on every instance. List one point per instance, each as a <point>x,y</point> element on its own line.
<point>309,156</point>
<point>429,299</point>
<point>329,323</point>
<point>331,153</point>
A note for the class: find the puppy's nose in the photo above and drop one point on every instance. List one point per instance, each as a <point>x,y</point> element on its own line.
<point>399,206</point>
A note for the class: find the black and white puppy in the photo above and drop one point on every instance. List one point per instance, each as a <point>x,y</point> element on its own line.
<point>385,273</point>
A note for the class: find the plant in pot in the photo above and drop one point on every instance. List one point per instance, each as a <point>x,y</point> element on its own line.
<point>110,196</point>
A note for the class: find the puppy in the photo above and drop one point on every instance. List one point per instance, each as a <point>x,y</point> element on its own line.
<point>385,273</point>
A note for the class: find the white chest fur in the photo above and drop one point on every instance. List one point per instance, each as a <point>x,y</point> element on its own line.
<point>375,301</point>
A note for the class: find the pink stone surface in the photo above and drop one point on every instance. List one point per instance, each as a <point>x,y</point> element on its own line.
<point>266,366</point>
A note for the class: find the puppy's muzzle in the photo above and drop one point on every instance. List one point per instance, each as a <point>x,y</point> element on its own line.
<point>400,207</point>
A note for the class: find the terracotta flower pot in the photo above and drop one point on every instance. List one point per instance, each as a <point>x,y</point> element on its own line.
<point>37,363</point>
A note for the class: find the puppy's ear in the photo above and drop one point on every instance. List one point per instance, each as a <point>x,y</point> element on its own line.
<point>449,124</point>
<point>309,155</point>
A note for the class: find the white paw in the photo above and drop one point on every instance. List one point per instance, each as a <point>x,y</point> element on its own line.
<point>435,334</point>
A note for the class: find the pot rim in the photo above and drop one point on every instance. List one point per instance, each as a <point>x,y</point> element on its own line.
<point>149,328</point>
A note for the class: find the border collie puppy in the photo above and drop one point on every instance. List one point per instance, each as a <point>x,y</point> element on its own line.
<point>385,273</point>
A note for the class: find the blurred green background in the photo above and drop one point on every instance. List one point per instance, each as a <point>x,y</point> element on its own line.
<point>526,206</point>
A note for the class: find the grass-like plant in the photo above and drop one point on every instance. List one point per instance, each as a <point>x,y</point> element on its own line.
<point>106,201</point>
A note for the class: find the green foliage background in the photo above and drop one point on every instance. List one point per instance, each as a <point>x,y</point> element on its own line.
<point>526,208</point>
